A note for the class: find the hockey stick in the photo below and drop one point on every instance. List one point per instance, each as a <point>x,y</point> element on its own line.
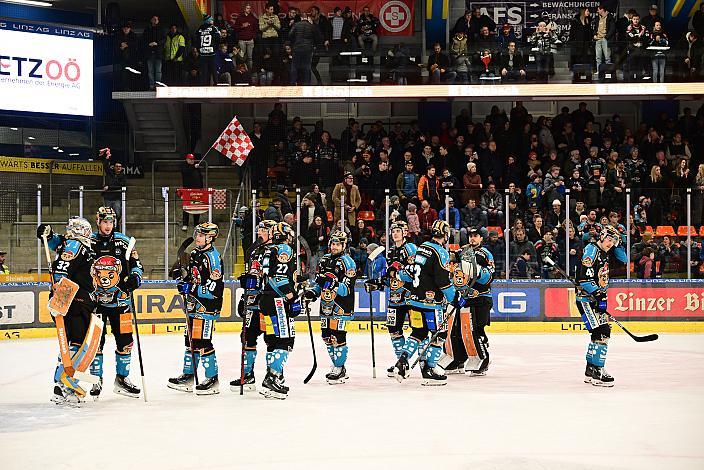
<point>372,256</point>
<point>180,254</point>
<point>636,338</point>
<point>312,343</point>
<point>128,254</point>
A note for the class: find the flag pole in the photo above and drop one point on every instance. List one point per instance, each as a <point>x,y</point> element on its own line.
<point>203,158</point>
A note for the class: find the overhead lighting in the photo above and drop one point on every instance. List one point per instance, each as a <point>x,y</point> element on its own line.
<point>33,3</point>
<point>55,148</point>
<point>30,138</point>
<point>14,129</point>
<point>73,154</point>
<point>61,151</point>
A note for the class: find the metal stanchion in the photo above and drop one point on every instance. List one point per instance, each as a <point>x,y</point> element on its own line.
<point>123,216</point>
<point>298,231</point>
<point>80,201</point>
<point>628,233</point>
<point>447,206</point>
<point>165,195</point>
<point>567,231</point>
<point>254,216</point>
<point>689,233</point>
<point>507,229</point>
<point>388,201</point>
<point>343,215</point>
<point>39,243</point>
<point>210,205</point>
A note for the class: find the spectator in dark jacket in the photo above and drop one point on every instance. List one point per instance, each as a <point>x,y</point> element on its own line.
<point>126,58</point>
<point>479,21</point>
<point>511,63</point>
<point>366,29</point>
<point>497,247</point>
<point>304,36</point>
<point>115,180</point>
<point>581,37</point>
<point>154,43</point>
<point>439,66</point>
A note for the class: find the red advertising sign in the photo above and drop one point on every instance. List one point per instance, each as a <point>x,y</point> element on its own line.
<point>395,16</point>
<point>647,302</point>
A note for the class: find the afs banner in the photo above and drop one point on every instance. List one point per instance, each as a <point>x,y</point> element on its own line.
<point>43,165</point>
<point>395,16</point>
<point>654,302</point>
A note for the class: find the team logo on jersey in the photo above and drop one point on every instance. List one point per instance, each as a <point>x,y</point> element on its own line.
<point>68,255</point>
<point>195,275</point>
<point>588,261</point>
<point>459,279</point>
<point>351,272</point>
<point>429,295</point>
<point>604,275</point>
<point>106,272</point>
<point>216,274</point>
<point>395,283</point>
<point>328,295</point>
<point>283,257</point>
<point>135,255</point>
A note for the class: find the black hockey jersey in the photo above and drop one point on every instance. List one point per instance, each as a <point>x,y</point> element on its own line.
<point>402,257</point>
<point>280,267</point>
<point>429,276</point>
<point>74,260</point>
<point>207,40</point>
<point>205,272</point>
<point>335,284</point>
<point>112,268</point>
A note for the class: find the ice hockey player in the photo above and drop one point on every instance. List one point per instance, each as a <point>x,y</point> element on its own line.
<point>279,305</point>
<point>114,278</point>
<point>334,283</point>
<point>431,287</point>
<point>467,344</point>
<point>248,307</point>
<point>202,289</point>
<point>593,281</point>
<point>74,258</point>
<point>399,259</point>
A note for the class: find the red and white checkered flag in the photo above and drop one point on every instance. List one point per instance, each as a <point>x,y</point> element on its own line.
<point>234,142</point>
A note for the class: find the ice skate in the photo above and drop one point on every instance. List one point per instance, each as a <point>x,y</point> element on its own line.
<point>210,386</point>
<point>402,370</point>
<point>454,368</point>
<point>481,371</point>
<point>182,383</point>
<point>391,371</point>
<point>272,386</point>
<point>249,383</point>
<point>588,373</point>
<point>65,397</point>
<point>123,386</point>
<point>432,376</point>
<point>337,375</point>
<point>601,378</point>
<point>96,389</point>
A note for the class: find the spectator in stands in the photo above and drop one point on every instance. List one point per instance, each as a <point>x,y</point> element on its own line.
<point>656,185</point>
<point>698,21</point>
<point>536,230</point>
<point>224,65</point>
<point>322,23</point>
<point>492,204</point>
<point>191,178</point>
<point>174,53</point>
<point>506,36</point>
<point>126,58</point>
<point>269,27</point>
<point>304,36</point>
<point>511,63</point>
<point>658,39</point>
<point>580,38</point>
<point>646,265</point>
<point>247,27</point>
<point>154,39</point>
<point>472,217</point>
<point>428,187</point>
<point>576,248</point>
<point>4,269</point>
<point>520,244</point>
<point>287,72</point>
<point>497,247</point>
<point>546,248</point>
<point>292,17</point>
<point>316,235</point>
<point>454,219</point>
<point>652,18</point>
<point>274,211</point>
<point>545,42</point>
<point>439,66</point>
<point>207,41</point>
<point>407,182</point>
<point>191,67</point>
<point>413,221</point>
<point>426,217</point>
<point>115,180</point>
<point>366,30</point>
<point>458,47</point>
<point>341,31</point>
<point>668,255</point>
<point>604,36</point>
<point>637,37</point>
<point>266,67</point>
<point>353,199</point>
<point>520,269</point>
<point>698,197</point>
<point>480,21</point>
<point>463,23</point>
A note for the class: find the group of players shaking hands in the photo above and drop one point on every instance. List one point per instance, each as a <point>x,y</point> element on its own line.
<point>445,297</point>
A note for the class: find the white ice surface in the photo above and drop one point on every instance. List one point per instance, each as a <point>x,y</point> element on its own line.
<point>531,412</point>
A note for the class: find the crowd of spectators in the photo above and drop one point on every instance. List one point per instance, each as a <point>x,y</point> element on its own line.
<point>508,166</point>
<point>285,47</point>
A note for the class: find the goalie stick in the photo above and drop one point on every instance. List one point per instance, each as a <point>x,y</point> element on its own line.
<point>636,338</point>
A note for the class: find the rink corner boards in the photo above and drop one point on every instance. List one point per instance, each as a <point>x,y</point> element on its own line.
<point>363,326</point>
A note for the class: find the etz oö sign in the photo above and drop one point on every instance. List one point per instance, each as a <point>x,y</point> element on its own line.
<point>46,69</point>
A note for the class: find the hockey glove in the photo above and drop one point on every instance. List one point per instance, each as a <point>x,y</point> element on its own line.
<point>394,268</point>
<point>329,282</point>
<point>184,288</point>
<point>44,230</point>
<point>459,302</point>
<point>132,282</point>
<point>241,311</point>
<point>309,294</point>
<point>248,281</point>
<point>178,272</point>
<point>294,309</point>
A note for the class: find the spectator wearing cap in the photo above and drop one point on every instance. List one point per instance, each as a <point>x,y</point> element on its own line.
<point>4,269</point>
<point>472,183</point>
<point>652,18</point>
<point>454,218</point>
<point>352,199</point>
<point>191,178</point>
<point>506,36</point>
<point>556,216</point>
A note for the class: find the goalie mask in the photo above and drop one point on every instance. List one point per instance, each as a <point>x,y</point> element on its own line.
<point>468,265</point>
<point>79,229</point>
<point>440,229</point>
